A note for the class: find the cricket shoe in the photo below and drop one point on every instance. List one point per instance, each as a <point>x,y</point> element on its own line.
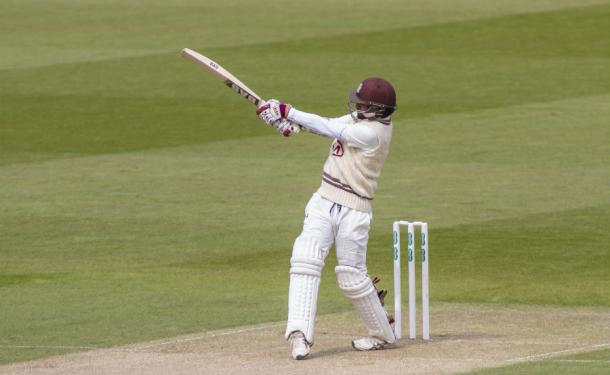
<point>369,343</point>
<point>298,345</point>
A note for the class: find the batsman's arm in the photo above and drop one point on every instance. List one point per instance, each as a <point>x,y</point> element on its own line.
<point>357,136</point>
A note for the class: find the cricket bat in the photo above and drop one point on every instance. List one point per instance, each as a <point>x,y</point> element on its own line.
<point>229,79</point>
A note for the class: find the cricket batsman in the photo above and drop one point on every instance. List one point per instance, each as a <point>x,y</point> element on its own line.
<point>339,212</point>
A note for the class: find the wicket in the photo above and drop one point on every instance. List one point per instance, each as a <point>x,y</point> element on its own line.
<point>411,269</point>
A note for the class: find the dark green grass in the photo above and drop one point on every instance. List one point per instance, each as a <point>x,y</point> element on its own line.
<point>538,258</point>
<point>601,355</point>
<point>142,199</point>
<point>549,34</point>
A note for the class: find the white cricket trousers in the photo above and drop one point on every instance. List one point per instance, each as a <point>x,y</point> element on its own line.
<point>347,228</point>
<point>326,223</point>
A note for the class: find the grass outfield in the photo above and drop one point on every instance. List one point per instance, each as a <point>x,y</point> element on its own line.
<point>591,363</point>
<point>141,199</point>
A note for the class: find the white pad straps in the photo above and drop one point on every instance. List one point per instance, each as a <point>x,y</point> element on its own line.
<point>306,266</point>
<point>357,286</point>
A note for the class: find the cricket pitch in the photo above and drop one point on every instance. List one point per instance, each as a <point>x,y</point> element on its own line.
<point>463,337</point>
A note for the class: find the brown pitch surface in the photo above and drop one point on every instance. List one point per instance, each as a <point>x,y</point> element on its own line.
<point>464,337</point>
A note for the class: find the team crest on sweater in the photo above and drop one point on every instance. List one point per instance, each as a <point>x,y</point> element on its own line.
<point>337,148</point>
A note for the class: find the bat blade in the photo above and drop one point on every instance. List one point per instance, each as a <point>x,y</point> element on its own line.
<point>229,79</point>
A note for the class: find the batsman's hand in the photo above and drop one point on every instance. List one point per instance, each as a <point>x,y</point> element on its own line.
<point>286,127</point>
<point>382,293</point>
<point>272,111</point>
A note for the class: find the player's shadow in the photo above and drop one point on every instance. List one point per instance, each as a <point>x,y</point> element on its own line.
<point>348,349</point>
<point>331,352</point>
<point>405,343</point>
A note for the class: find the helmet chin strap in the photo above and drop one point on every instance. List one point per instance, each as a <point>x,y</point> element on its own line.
<point>360,115</point>
<point>364,115</point>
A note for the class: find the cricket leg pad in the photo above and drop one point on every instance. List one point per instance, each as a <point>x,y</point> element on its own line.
<point>358,287</point>
<point>305,271</point>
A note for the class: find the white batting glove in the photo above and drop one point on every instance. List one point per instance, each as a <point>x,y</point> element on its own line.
<point>286,127</point>
<point>272,111</point>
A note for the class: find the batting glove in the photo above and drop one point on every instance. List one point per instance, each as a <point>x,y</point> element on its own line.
<point>272,111</point>
<point>286,127</point>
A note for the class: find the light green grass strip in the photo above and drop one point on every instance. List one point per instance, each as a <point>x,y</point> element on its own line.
<point>34,33</point>
<point>588,363</point>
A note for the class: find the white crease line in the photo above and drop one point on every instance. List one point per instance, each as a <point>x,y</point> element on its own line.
<point>137,348</point>
<point>546,355</point>
<point>581,360</point>
<point>211,334</point>
<point>475,341</point>
<point>48,347</point>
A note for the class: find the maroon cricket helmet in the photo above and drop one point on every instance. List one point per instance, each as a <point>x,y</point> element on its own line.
<point>378,94</point>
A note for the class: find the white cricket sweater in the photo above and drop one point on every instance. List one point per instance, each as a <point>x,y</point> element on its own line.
<point>355,158</point>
